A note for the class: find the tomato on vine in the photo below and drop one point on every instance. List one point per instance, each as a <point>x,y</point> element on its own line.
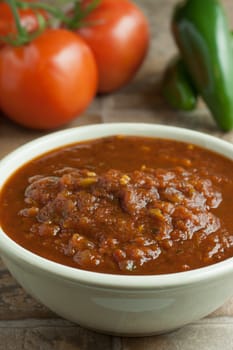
<point>118,34</point>
<point>49,81</point>
<point>47,77</point>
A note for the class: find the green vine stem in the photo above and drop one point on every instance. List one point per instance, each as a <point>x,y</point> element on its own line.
<point>72,21</point>
<point>22,37</point>
<point>52,10</point>
<point>79,14</point>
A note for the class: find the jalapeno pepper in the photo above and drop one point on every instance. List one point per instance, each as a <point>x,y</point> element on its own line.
<point>177,87</point>
<point>202,34</point>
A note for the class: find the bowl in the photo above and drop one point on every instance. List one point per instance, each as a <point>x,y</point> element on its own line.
<point>117,304</point>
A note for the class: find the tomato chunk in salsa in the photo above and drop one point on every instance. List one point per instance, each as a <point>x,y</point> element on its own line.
<point>123,205</point>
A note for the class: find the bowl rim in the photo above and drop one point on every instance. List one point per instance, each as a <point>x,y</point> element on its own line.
<point>11,250</point>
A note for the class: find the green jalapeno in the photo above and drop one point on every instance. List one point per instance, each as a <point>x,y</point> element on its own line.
<point>177,87</point>
<point>202,34</point>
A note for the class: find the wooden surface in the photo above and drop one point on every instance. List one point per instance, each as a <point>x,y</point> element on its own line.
<point>24,323</point>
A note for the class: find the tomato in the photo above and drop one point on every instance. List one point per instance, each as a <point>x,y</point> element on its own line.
<point>49,81</point>
<point>7,23</point>
<point>118,35</point>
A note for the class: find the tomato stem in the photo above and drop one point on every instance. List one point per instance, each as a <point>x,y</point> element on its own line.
<point>73,21</point>
<point>23,36</point>
<point>51,9</point>
<point>79,14</point>
<point>22,33</point>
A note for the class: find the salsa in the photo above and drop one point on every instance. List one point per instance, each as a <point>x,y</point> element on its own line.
<point>123,205</point>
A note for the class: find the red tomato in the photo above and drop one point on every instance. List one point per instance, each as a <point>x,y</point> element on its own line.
<point>7,22</point>
<point>48,82</point>
<point>118,35</point>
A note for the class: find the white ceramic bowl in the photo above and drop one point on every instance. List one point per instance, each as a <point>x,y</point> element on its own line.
<point>125,305</point>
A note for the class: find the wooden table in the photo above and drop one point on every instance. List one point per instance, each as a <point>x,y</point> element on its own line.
<point>24,323</point>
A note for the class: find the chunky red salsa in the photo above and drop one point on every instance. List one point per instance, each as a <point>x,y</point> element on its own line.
<point>123,205</point>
